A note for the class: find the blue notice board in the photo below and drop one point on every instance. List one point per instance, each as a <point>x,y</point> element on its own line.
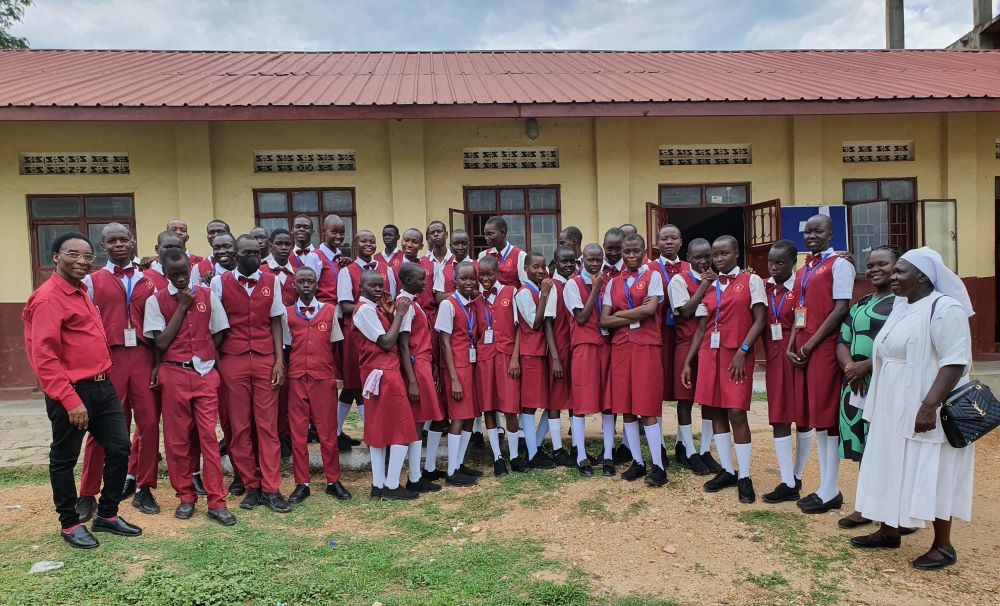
<point>793,220</point>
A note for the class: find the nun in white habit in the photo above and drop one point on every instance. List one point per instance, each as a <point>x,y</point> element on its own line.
<point>910,475</point>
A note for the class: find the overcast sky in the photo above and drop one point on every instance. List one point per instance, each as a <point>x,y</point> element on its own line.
<point>475,24</point>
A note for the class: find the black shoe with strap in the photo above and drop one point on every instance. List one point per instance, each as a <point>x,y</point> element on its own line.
<point>925,562</point>
<point>782,493</point>
<point>819,506</point>
<point>585,469</point>
<point>608,469</point>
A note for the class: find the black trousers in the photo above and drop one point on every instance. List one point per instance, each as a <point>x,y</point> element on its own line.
<point>107,425</point>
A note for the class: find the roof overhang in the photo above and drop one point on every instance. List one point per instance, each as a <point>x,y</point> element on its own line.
<point>511,110</point>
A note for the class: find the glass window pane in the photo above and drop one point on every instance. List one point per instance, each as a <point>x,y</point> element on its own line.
<point>347,247</point>
<point>94,231</point>
<point>869,229</point>
<point>511,199</point>
<point>680,196</point>
<point>897,190</point>
<point>272,202</point>
<point>305,201</point>
<point>860,191</point>
<point>270,224</point>
<point>109,206</point>
<point>726,195</point>
<point>940,230</point>
<point>515,230</point>
<point>542,199</point>
<point>52,208</point>
<point>338,201</point>
<point>316,232</point>
<point>45,235</point>
<point>481,200</point>
<point>544,235</point>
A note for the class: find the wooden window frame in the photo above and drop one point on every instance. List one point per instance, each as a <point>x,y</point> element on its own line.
<point>38,273</point>
<point>901,215</point>
<point>527,213</point>
<point>289,215</point>
<point>704,201</point>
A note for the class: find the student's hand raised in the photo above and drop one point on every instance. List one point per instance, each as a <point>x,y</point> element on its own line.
<point>344,261</point>
<point>546,286</point>
<point>598,282</point>
<point>456,389</point>
<point>185,298</point>
<point>413,392</point>
<point>709,276</point>
<point>847,256</point>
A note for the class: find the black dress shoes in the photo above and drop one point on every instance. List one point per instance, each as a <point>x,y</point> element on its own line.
<point>500,468</point>
<point>633,473</point>
<point>585,468</point>
<point>376,494</point>
<point>697,465</point>
<point>562,458</point>
<point>519,464</point>
<point>184,511</point>
<point>85,508</point>
<point>461,480</point>
<point>199,486</point>
<point>399,494</point>
<point>435,475</point>
<point>145,502</point>
<point>609,468</point>
<point>470,471</point>
<point>541,461</point>
<point>117,526</point>
<point>744,486</point>
<point>337,490</point>
<point>657,477</point>
<point>423,485</point>
<point>808,499</point>
<point>622,455</point>
<point>925,562</point>
<point>783,492</point>
<point>276,502</point>
<point>723,479</point>
<point>680,454</point>
<point>876,540</point>
<point>129,488</point>
<point>711,463</point>
<point>253,499</point>
<point>299,494</point>
<point>818,506</point>
<point>343,443</point>
<point>222,516</point>
<point>80,538</point>
<point>237,488</point>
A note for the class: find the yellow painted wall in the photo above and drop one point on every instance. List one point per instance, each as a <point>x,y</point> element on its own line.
<point>410,172</point>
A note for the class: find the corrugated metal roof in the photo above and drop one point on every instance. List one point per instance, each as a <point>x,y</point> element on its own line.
<point>80,78</point>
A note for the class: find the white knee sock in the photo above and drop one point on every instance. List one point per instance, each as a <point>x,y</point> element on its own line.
<point>361,413</point>
<point>821,456</point>
<point>686,436</point>
<point>783,452</point>
<point>477,425</point>
<point>576,429</point>
<point>378,466</point>
<point>723,443</point>
<point>654,438</point>
<point>512,443</point>
<point>743,459</point>
<point>528,429</point>
<point>397,456</point>
<point>414,461</point>
<point>706,436</point>
<point>466,436</point>
<point>828,487</point>
<point>608,432</point>
<point>494,436</point>
<point>625,439</point>
<point>632,432</point>
<point>542,429</point>
<point>433,442</point>
<point>343,409</point>
<point>803,444</point>
<point>454,448</point>
<point>427,425</point>
<point>555,430</point>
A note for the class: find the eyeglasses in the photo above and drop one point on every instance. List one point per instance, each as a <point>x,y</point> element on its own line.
<point>72,255</point>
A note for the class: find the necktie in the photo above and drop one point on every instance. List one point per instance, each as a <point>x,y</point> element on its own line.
<point>301,251</point>
<point>308,310</point>
<point>128,272</point>
<point>246,282</point>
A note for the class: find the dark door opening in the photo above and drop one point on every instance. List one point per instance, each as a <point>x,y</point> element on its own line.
<point>710,223</point>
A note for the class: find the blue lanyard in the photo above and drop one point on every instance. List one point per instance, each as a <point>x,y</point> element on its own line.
<point>600,295</point>
<point>718,301</point>
<point>775,308</point>
<point>668,315</point>
<point>488,309</point>
<point>628,293</point>
<point>128,300</point>
<point>533,288</point>
<point>506,252</point>
<point>470,318</point>
<point>807,276</point>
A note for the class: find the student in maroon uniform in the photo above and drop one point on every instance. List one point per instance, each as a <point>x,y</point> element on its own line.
<point>263,242</point>
<point>614,240</point>
<point>417,362</point>
<point>120,291</point>
<point>186,323</point>
<point>536,309</point>
<point>733,317</point>
<point>458,324</point>
<point>277,264</point>
<point>511,258</point>
<point>444,279</point>
<point>669,264</point>
<point>822,294</point>
<point>304,253</point>
<point>631,301</point>
<point>781,410</point>
<point>561,388</point>
<point>590,356</point>
<point>180,228</point>
<point>409,252</point>
<point>391,256</point>
<point>312,329</point>
<point>331,258</point>
<point>251,373</point>
<point>498,368</point>
<point>573,238</point>
<point>223,259</point>
<point>686,291</point>
<point>438,252</point>
<point>389,425</point>
<point>165,241</point>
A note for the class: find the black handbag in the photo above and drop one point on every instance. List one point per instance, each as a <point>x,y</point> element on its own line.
<point>969,413</point>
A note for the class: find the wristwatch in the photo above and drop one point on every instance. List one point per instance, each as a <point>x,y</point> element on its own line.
<point>745,348</point>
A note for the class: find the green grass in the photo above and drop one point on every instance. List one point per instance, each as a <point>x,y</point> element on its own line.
<point>15,476</point>
<point>768,581</point>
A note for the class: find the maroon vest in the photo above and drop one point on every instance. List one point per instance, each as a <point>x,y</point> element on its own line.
<point>589,333</point>
<point>249,316</point>
<point>735,317</point>
<point>561,326</point>
<point>420,331</point>
<point>777,297</point>
<point>532,341</point>
<point>312,354</point>
<point>159,280</point>
<point>687,328</point>
<point>356,270</point>
<point>288,294</point>
<point>109,297</point>
<point>501,317</point>
<point>648,332</point>
<point>509,274</point>
<point>326,289</point>
<point>370,355</point>
<point>195,336</point>
<point>461,339</point>
<point>819,301</point>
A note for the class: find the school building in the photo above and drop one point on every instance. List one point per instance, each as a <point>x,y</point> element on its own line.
<point>898,146</point>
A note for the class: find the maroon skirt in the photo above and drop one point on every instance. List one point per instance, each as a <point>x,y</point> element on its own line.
<point>817,386</point>
<point>590,378</point>
<point>468,407</point>
<point>561,390</point>
<point>388,416</point>
<point>429,406</point>
<point>534,382</point>
<point>636,380</point>
<point>498,392</point>
<point>714,386</point>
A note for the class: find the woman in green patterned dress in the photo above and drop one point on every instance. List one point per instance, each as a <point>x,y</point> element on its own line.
<point>854,352</point>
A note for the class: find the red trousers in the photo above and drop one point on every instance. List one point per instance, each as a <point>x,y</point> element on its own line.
<point>252,403</point>
<point>190,404</point>
<point>130,373</point>
<point>316,400</point>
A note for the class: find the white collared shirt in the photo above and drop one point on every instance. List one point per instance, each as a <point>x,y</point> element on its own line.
<point>277,307</point>
<point>335,333</point>
<point>153,321</point>
<point>677,290</point>
<point>281,277</point>
<point>110,268</point>
<point>366,320</point>
<point>527,307</point>
<point>330,254</point>
<point>757,292</point>
<point>310,259</point>
<point>619,266</point>
<point>446,314</point>
<point>668,261</point>
<point>843,276</point>
<point>440,268</point>
<point>522,274</point>
<point>655,288</point>
<point>388,258</point>
<point>345,284</point>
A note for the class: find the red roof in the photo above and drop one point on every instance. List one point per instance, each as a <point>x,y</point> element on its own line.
<point>412,84</point>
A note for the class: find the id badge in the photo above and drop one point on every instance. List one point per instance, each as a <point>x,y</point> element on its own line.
<point>634,325</point>
<point>130,339</point>
<point>714,340</point>
<point>800,317</point>
<point>488,336</point>
<point>776,332</point>
<point>472,355</point>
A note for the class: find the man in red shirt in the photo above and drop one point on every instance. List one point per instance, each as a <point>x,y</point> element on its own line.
<point>68,350</point>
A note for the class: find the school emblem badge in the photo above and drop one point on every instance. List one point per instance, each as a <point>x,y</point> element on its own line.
<point>508,263</point>
<point>640,286</point>
<point>149,284</point>
<point>821,269</point>
<point>265,291</point>
<point>505,302</point>
<point>738,287</point>
<point>323,326</point>
<point>201,307</point>
<point>789,296</point>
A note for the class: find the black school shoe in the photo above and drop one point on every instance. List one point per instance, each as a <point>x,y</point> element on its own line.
<point>541,461</point>
<point>117,526</point>
<point>80,538</point>
<point>222,515</point>
<point>782,493</point>
<point>276,502</point>
<point>948,557</point>
<point>184,511</point>
<point>657,477</point>
<point>585,468</point>
<point>818,506</point>
<point>680,455</point>
<point>723,479</point>
<point>609,468</point>
<point>300,494</point>
<point>129,488</point>
<point>622,455</point>
<point>199,486</point>
<point>460,480</point>
<point>85,509</point>
<point>253,498</point>
<point>697,465</point>
<point>237,488</point>
<point>376,493</point>
<point>500,468</point>
<point>337,490</point>
<point>343,443</point>
<point>711,463</point>
<point>744,486</point>
<point>145,502</point>
<point>399,494</point>
<point>469,471</point>
<point>562,458</point>
<point>350,440</point>
<point>519,464</point>
<point>633,473</point>
<point>422,485</point>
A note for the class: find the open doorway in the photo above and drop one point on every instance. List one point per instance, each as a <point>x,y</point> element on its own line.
<point>710,223</point>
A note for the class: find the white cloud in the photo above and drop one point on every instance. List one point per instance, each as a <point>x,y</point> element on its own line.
<point>458,24</point>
